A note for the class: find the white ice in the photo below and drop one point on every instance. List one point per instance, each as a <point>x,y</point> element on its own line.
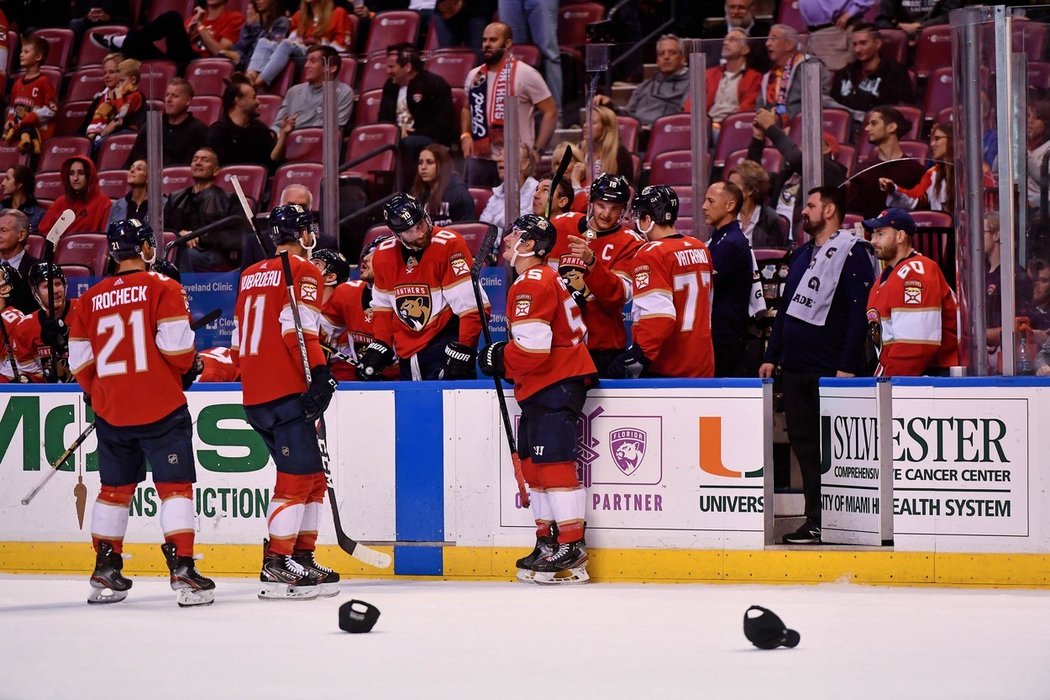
<point>437,639</point>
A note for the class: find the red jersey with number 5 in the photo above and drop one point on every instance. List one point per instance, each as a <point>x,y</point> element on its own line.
<point>10,317</point>
<point>129,344</point>
<point>671,279</point>
<point>546,333</point>
<point>264,337</point>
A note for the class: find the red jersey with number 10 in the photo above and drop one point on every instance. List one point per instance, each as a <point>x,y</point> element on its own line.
<point>546,331</point>
<point>264,337</point>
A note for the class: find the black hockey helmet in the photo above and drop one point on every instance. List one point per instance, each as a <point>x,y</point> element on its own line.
<point>126,237</point>
<point>9,279</point>
<point>41,271</point>
<point>610,188</point>
<point>658,202</point>
<point>373,244</point>
<point>403,212</point>
<point>533,227</point>
<point>288,221</point>
<point>335,262</point>
<point>168,269</point>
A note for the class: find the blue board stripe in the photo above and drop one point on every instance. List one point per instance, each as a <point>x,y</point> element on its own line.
<point>419,479</point>
<point>418,561</point>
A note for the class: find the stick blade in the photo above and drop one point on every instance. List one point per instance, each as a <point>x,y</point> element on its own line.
<point>64,221</point>
<point>372,557</point>
<point>485,251</point>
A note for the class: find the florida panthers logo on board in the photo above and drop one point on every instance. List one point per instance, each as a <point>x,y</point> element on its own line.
<point>413,305</point>
<point>628,449</point>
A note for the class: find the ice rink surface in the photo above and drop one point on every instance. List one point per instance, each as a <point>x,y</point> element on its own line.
<point>437,639</point>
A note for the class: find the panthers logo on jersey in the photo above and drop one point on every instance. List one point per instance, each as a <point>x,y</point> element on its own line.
<point>413,305</point>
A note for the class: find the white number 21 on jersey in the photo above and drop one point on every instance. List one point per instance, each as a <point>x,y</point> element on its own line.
<point>113,326</point>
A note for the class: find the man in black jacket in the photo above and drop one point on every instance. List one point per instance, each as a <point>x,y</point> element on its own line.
<point>14,233</point>
<point>181,132</point>
<point>199,204</point>
<point>240,136</point>
<point>419,102</point>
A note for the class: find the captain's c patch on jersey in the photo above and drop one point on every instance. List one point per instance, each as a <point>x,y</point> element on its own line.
<point>413,305</point>
<point>522,305</point>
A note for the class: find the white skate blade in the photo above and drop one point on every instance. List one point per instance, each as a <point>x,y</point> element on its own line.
<point>568,576</point>
<point>189,598</point>
<point>526,575</point>
<point>101,596</point>
<point>328,590</point>
<point>284,591</point>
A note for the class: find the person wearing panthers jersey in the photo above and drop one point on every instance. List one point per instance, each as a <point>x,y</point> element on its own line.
<point>911,308</point>
<point>219,365</point>
<point>131,349</point>
<point>422,299</point>
<point>672,291</point>
<point>40,342</point>
<point>9,318</point>
<point>548,362</point>
<point>593,255</point>
<point>282,406</point>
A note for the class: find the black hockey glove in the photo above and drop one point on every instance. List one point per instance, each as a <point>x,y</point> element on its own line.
<point>460,362</point>
<point>629,364</point>
<point>319,394</point>
<point>193,372</point>
<point>579,296</point>
<point>491,359</point>
<point>54,333</point>
<point>374,359</point>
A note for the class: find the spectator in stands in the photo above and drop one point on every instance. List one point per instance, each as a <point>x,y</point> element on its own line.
<point>92,13</point>
<point>262,20</point>
<point>536,22</point>
<point>418,101</point>
<point>759,222</point>
<point>870,80</point>
<point>32,102</point>
<point>181,132</point>
<point>440,187</point>
<point>936,189</point>
<point>459,23</point>
<point>14,234</point>
<point>1038,131</point>
<point>316,22</point>
<point>19,193</point>
<point>610,156</point>
<point>1039,312</point>
<point>829,23</point>
<point>82,195</point>
<point>197,205</point>
<point>780,91</point>
<point>209,31</point>
<point>739,16</point>
<point>495,207</point>
<point>733,266</point>
<point>993,287</point>
<point>110,81</point>
<point>239,136</point>
<point>133,205</point>
<point>559,204</point>
<point>884,127</point>
<point>487,91</point>
<point>304,103</point>
<point>732,86</point>
<point>665,92</point>
<point>123,110</point>
<point>913,15</point>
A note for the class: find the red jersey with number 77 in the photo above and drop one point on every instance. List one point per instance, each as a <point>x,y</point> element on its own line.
<point>130,342</point>
<point>264,337</point>
<point>546,334</point>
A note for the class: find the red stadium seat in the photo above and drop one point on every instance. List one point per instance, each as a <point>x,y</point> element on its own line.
<point>392,27</point>
<point>113,183</point>
<point>452,65</point>
<point>49,186</point>
<point>430,44</point>
<point>269,105</point>
<point>734,135</point>
<point>175,178</point>
<point>629,128</point>
<point>251,177</point>
<point>60,46</point>
<point>71,118</point>
<point>894,44</point>
<point>846,156</point>
<point>572,23</point>
<point>1030,37</point>
<point>931,218</point>
<point>849,220</point>
<point>88,249</point>
<point>305,146</point>
<point>284,80</point>
<point>374,233</point>
<point>307,174</point>
<point>207,108</point>
<point>348,70</point>
<point>473,232</point>
<point>113,152</point>
<point>672,168</point>
<point>58,149</point>
<point>35,245</point>
<point>938,91</point>
<point>90,53</point>
<point>368,107</point>
<point>459,100</point>
<point>837,122</point>
<point>208,76</point>
<point>528,53</point>
<point>685,226</point>
<point>670,133</point>
<point>481,196</point>
<point>154,77</point>
<point>14,43</point>
<point>1039,75</point>
<point>363,140</point>
<point>771,159</point>
<point>915,149</point>
<point>84,84</point>
<point>945,116</point>
<point>790,15</point>
<point>9,156</point>
<point>71,271</point>
<point>373,74</point>
<point>685,200</point>
<point>933,49</point>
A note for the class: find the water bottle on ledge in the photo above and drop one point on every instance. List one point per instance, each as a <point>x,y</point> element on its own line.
<point>1024,358</point>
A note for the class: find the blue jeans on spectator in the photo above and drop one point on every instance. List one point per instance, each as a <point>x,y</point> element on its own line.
<point>270,57</point>
<point>538,20</point>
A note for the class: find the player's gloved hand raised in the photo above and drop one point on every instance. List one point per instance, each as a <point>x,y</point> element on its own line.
<point>460,362</point>
<point>54,332</point>
<point>319,394</point>
<point>628,364</point>
<point>491,359</point>
<point>375,358</point>
<point>193,372</point>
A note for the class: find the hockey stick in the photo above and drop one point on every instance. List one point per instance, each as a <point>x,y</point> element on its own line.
<point>475,271</point>
<point>239,191</point>
<point>18,376</point>
<point>346,543</point>
<point>341,356</point>
<point>62,458</point>
<point>65,219</point>
<point>563,166</point>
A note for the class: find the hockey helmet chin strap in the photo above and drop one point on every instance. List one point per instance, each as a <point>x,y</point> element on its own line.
<point>638,225</point>
<point>151,259</point>
<point>313,244</point>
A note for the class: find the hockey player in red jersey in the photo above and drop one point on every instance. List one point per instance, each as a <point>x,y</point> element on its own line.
<point>9,318</point>
<point>422,279</point>
<point>911,309</point>
<point>593,254</point>
<point>40,342</point>
<point>552,370</point>
<point>130,348</point>
<point>282,408</point>
<point>219,365</point>
<point>671,280</point>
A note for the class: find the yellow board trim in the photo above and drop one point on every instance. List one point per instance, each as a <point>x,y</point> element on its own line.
<point>777,565</point>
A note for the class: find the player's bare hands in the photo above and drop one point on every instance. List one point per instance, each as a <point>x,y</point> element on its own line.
<point>765,370</point>
<point>844,375</point>
<point>886,184</point>
<point>579,248</point>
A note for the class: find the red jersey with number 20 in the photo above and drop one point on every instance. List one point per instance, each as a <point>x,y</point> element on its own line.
<point>671,280</point>
<point>546,333</point>
<point>130,342</point>
<point>264,337</point>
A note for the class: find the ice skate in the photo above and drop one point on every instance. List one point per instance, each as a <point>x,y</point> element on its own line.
<point>567,564</point>
<point>327,579</point>
<point>108,585</point>
<point>544,548</point>
<point>191,588</point>
<point>283,578</point>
